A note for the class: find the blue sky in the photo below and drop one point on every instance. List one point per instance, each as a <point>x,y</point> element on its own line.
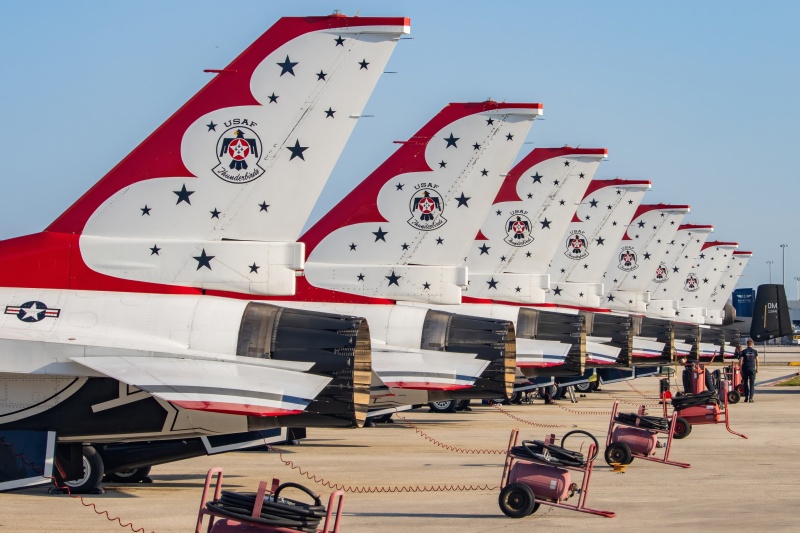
<point>696,96</point>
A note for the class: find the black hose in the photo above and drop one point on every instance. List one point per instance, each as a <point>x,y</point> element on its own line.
<point>695,400</point>
<point>549,453</point>
<point>645,422</point>
<point>276,511</point>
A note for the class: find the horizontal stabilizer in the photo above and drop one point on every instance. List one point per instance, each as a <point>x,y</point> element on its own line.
<point>408,368</point>
<point>541,353</point>
<point>223,387</point>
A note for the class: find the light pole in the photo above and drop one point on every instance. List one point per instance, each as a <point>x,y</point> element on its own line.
<point>769,264</point>
<point>783,260</point>
<point>797,282</point>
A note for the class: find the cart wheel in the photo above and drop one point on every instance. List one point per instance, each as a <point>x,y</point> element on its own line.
<point>734,397</point>
<point>444,406</point>
<point>682,428</point>
<point>517,500</point>
<point>618,452</point>
<point>740,389</point>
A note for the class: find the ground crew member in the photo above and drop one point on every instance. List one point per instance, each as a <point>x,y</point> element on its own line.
<point>749,359</point>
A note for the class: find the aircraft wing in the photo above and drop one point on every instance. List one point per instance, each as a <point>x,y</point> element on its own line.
<point>218,386</point>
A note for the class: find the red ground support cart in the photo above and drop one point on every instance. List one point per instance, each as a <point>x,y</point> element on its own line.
<point>537,473</point>
<point>698,409</point>
<point>634,435</point>
<point>732,382</point>
<point>250,517</point>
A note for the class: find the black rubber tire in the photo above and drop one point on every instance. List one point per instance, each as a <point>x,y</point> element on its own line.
<point>682,428</point>
<point>595,384</point>
<point>734,397</point>
<point>92,474</point>
<point>461,405</point>
<point>584,387</point>
<point>134,475</point>
<point>516,397</point>
<point>445,406</point>
<point>517,500</point>
<point>618,452</point>
<point>561,392</point>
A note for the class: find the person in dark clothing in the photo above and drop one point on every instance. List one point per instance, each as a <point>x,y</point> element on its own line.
<point>749,361</point>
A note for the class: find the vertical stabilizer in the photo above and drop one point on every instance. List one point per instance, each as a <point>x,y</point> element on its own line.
<point>523,228</point>
<point>770,314</point>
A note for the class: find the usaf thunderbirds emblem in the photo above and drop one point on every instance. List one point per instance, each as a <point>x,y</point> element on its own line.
<point>627,259</point>
<point>661,273</point>
<point>238,153</point>
<point>692,283</point>
<point>426,208</point>
<point>32,311</point>
<point>576,246</point>
<point>518,229</point>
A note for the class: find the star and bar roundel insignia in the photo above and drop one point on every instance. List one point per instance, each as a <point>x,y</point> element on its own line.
<point>238,152</point>
<point>32,311</point>
<point>518,229</point>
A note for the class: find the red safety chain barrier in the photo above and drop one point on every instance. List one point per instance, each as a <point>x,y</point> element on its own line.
<point>361,489</point>
<point>522,420</point>
<point>448,447</point>
<point>623,400</point>
<point>38,470</point>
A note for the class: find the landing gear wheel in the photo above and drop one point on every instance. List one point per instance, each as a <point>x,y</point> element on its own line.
<point>383,419</point>
<point>595,385</point>
<point>517,500</point>
<point>462,405</point>
<point>92,474</point>
<point>682,428</point>
<point>619,453</point>
<point>586,386</point>
<point>561,392</point>
<point>516,398</point>
<point>734,397</point>
<point>444,406</point>
<point>134,475</point>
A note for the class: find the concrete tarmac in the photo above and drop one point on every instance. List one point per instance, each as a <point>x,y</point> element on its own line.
<point>733,483</point>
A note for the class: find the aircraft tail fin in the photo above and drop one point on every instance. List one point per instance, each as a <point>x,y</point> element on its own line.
<point>245,159</point>
<point>770,314</point>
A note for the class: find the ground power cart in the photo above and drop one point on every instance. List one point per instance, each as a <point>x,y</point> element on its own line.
<point>537,473</point>
<point>635,435</point>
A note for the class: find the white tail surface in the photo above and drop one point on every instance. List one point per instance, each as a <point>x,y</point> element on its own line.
<point>523,228</point>
<point>670,274</point>
<point>404,231</point>
<point>705,273</point>
<point>578,267</point>
<point>642,248</point>
<point>724,288</point>
<point>244,160</point>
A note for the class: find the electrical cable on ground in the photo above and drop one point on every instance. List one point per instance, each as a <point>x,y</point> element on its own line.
<point>448,447</point>
<point>362,489</point>
<point>38,470</point>
<point>522,420</point>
